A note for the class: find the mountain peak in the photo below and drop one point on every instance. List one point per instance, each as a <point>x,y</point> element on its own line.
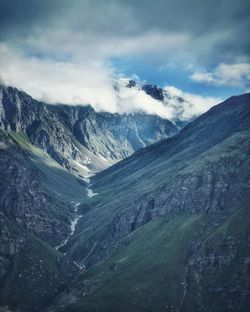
<point>124,82</point>
<point>154,91</point>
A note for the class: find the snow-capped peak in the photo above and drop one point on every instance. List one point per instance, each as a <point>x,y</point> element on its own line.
<point>124,82</point>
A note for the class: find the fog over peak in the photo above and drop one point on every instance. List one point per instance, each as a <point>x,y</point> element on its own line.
<point>73,52</point>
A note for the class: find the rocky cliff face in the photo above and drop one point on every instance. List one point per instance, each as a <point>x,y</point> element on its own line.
<point>79,138</point>
<point>113,136</point>
<point>218,270</point>
<point>25,200</point>
<point>32,218</point>
<point>11,242</point>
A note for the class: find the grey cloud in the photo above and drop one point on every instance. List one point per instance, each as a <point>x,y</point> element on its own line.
<point>21,17</point>
<point>82,36</point>
<point>112,17</point>
<point>192,15</point>
<point>218,30</point>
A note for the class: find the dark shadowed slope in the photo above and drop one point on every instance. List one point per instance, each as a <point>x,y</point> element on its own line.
<point>35,213</point>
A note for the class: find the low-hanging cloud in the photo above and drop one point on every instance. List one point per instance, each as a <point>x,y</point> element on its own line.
<point>93,84</point>
<point>136,100</point>
<point>60,82</point>
<point>193,104</point>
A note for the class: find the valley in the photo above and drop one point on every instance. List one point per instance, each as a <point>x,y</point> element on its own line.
<point>108,212</point>
<point>124,156</point>
<point>73,225</point>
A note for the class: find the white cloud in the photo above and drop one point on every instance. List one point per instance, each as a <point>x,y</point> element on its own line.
<point>225,75</point>
<point>54,82</point>
<point>91,82</point>
<point>136,100</point>
<point>193,105</point>
<point>70,83</point>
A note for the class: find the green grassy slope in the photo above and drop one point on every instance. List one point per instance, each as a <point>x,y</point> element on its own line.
<point>153,167</point>
<point>188,264</point>
<point>147,274</point>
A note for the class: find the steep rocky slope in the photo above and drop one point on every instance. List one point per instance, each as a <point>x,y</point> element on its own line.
<point>113,136</point>
<point>171,223</point>
<point>78,138</point>
<point>35,214</point>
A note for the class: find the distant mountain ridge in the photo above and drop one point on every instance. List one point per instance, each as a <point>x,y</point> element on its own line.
<point>77,137</point>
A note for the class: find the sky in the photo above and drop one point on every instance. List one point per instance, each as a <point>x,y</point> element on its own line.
<point>73,51</point>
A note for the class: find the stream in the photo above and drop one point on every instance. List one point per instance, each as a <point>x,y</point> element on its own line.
<point>77,217</point>
<point>72,227</point>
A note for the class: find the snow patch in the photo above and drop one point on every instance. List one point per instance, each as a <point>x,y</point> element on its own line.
<point>83,167</point>
<point>90,193</point>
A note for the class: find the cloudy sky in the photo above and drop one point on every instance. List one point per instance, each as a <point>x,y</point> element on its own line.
<point>72,51</point>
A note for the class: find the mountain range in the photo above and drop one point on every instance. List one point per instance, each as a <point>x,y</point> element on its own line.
<point>77,137</point>
<point>123,212</point>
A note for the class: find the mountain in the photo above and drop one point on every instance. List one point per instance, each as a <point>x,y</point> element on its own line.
<point>46,152</point>
<point>168,228</point>
<point>77,137</point>
<point>164,229</point>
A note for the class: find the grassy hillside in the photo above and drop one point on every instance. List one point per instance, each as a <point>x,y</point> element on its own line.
<point>147,274</point>
<point>188,264</point>
<point>209,183</point>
